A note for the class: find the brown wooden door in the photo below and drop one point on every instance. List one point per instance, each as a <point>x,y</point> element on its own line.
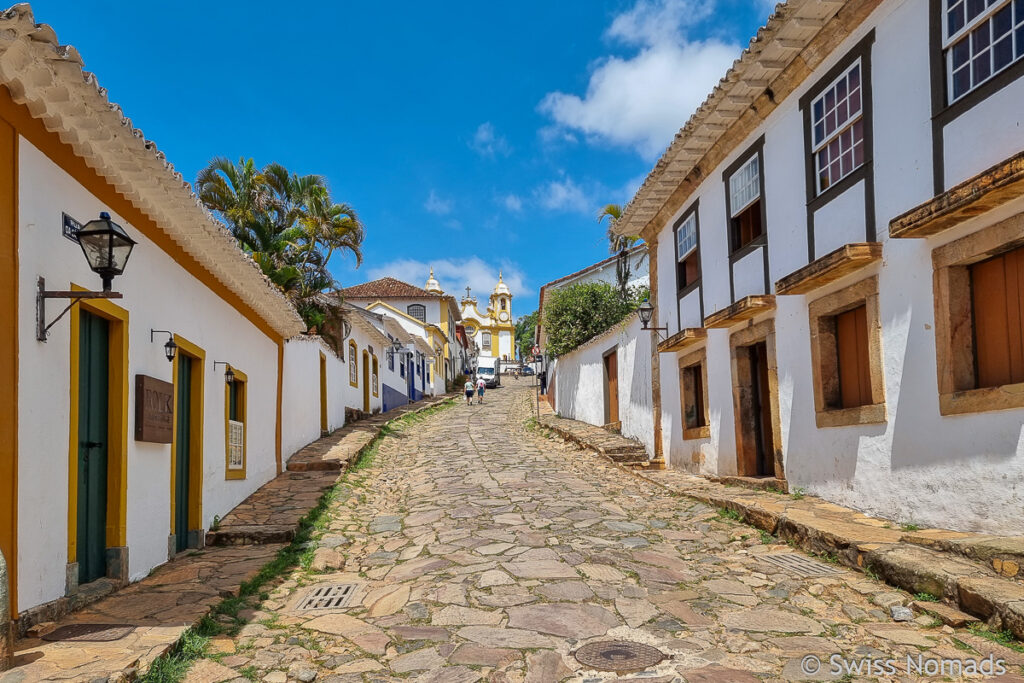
<point>611,380</point>
<point>764,439</point>
<point>997,286</point>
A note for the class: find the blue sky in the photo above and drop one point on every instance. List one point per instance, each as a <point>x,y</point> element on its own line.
<point>469,136</point>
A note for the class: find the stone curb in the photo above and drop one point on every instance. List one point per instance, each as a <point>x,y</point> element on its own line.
<point>623,454</point>
<point>915,562</point>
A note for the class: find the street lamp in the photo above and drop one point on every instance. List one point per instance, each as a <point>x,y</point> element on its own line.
<point>170,348</point>
<point>106,247</point>
<point>646,312</point>
<point>229,375</point>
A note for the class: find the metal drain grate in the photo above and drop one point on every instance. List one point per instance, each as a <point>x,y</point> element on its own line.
<point>800,565</point>
<point>330,596</point>
<point>618,655</point>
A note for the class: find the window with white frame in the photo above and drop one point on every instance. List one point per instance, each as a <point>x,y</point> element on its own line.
<point>485,340</point>
<point>837,129</point>
<point>745,186</point>
<point>745,219</point>
<point>688,266</point>
<point>980,39</point>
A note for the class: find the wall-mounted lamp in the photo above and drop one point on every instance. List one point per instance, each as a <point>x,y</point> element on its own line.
<point>397,348</point>
<point>646,312</point>
<point>170,348</point>
<point>229,375</point>
<point>106,247</point>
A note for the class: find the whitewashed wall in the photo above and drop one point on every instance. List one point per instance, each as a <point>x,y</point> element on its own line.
<point>159,294</point>
<point>579,383</point>
<point>300,402</point>
<point>904,469</point>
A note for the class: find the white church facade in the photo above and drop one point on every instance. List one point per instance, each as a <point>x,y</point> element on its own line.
<point>493,329</point>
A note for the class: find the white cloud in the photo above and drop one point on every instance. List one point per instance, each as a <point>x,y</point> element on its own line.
<point>513,203</point>
<point>564,195</point>
<point>455,274</point>
<point>641,101</point>
<point>487,143</point>
<point>438,206</point>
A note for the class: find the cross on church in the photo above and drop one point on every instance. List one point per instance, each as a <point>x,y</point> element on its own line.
<point>468,290</point>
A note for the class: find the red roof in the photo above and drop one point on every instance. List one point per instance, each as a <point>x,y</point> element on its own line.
<point>385,287</point>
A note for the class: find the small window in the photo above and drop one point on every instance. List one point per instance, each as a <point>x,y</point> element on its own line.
<point>235,429</point>
<point>745,203</point>
<point>353,369</point>
<point>693,395</point>
<point>485,341</point>
<point>418,311</point>
<point>980,39</point>
<point>391,356</point>
<point>837,129</point>
<point>846,356</point>
<point>997,290</point>
<point>688,259</point>
<point>503,304</point>
<point>373,377</point>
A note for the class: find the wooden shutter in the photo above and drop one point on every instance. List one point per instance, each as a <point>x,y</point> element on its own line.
<point>998,305</point>
<point>852,349</point>
<point>693,398</point>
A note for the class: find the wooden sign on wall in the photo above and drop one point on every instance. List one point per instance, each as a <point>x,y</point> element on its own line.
<point>154,409</point>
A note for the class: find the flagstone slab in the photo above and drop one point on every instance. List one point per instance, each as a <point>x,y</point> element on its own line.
<point>573,591</point>
<point>416,568</point>
<point>567,620</point>
<point>515,638</point>
<point>420,660</point>
<point>771,621</point>
<point>478,655</point>
<point>540,569</point>
<point>453,615</point>
<point>387,600</point>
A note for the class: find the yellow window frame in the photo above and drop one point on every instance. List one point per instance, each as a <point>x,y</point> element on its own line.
<point>241,408</point>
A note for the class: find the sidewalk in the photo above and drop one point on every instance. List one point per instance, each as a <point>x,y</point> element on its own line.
<point>975,576</point>
<point>180,593</point>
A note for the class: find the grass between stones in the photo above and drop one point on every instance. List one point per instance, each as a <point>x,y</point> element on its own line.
<point>224,618</point>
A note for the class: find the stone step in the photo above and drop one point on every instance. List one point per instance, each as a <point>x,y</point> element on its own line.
<point>255,534</point>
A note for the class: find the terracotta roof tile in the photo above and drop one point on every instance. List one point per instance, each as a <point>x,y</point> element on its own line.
<point>386,287</point>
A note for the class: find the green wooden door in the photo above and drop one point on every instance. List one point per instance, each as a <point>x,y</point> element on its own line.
<point>93,377</point>
<point>182,442</point>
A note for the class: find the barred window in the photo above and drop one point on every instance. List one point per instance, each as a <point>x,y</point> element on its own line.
<point>838,129</point>
<point>418,311</point>
<point>982,37</point>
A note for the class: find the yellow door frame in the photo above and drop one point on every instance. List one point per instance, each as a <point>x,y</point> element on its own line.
<point>366,381</point>
<point>323,392</point>
<point>117,423</point>
<point>195,445</point>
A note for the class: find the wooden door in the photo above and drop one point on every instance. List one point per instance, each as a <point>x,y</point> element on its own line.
<point>997,286</point>
<point>182,452</point>
<point>852,350</point>
<point>763,412</point>
<point>93,399</point>
<point>611,378</point>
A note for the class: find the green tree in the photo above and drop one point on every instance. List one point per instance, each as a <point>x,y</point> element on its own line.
<point>576,314</point>
<point>290,226</point>
<point>526,327</point>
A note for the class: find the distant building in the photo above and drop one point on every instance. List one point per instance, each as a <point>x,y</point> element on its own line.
<point>492,330</point>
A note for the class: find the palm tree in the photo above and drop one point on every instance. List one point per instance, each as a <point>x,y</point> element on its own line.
<point>618,244</point>
<point>289,225</point>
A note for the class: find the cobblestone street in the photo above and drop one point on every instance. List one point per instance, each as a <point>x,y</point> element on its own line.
<point>482,550</point>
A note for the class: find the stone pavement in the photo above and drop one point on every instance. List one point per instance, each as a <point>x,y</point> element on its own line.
<point>474,549</point>
<point>180,593</point>
<point>977,573</point>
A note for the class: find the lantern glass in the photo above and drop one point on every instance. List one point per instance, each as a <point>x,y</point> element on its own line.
<point>106,247</point>
<point>229,376</point>
<point>170,348</point>
<point>646,311</point>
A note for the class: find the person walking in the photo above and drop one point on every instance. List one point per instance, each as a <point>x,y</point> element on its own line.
<point>480,386</point>
<point>469,391</point>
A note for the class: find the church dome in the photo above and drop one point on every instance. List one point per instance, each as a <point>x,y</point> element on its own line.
<point>433,285</point>
<point>501,287</point>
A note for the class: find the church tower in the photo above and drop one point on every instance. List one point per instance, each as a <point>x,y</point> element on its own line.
<point>433,286</point>
<point>501,302</point>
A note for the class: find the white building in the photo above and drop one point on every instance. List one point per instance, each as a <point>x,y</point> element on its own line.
<point>117,448</point>
<point>431,314</point>
<point>836,242</point>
